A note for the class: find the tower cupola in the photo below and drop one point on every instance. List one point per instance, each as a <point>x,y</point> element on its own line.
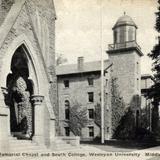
<point>124,30</point>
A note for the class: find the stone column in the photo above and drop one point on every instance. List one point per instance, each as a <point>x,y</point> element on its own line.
<point>5,94</point>
<point>38,119</point>
<point>4,123</point>
<point>52,130</point>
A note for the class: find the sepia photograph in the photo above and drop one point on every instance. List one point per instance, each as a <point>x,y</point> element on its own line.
<point>80,79</point>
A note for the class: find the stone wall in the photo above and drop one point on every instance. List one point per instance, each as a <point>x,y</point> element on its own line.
<point>5,6</point>
<point>24,27</point>
<point>78,91</point>
<point>124,69</point>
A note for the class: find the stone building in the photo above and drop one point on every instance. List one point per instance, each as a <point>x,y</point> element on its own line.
<point>125,56</point>
<point>28,80</point>
<point>81,83</point>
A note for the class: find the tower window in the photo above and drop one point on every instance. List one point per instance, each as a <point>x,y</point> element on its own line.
<point>137,67</point>
<point>106,82</point>
<point>130,34</point>
<point>66,83</point>
<point>90,97</point>
<point>67,131</point>
<point>137,83</point>
<point>115,36</point>
<point>91,131</point>
<point>90,81</point>
<point>67,112</point>
<point>91,113</point>
<point>122,34</point>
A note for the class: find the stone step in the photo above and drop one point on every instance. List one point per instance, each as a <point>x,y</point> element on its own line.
<point>30,146</point>
<point>27,149</point>
<point>23,143</point>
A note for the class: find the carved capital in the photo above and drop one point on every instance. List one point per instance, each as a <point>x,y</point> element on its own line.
<point>4,91</point>
<point>37,99</point>
<point>5,95</point>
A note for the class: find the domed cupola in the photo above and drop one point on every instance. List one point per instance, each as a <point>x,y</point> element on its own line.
<point>124,30</point>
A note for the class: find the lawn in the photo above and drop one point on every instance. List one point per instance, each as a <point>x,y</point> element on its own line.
<point>121,146</point>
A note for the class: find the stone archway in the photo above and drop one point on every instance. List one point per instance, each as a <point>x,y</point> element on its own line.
<point>20,90</point>
<point>36,75</point>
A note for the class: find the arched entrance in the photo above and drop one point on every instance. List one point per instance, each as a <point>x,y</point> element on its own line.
<point>20,90</point>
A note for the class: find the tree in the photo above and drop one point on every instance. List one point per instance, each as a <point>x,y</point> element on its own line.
<point>154,91</point>
<point>126,128</point>
<point>97,118</point>
<point>118,105</point>
<point>155,56</point>
<point>61,59</point>
<point>78,118</point>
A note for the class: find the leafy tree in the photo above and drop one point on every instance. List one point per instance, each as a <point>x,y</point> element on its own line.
<point>126,127</point>
<point>145,119</point>
<point>154,91</point>
<point>61,59</point>
<point>118,105</point>
<point>97,118</point>
<point>155,56</point>
<point>157,25</point>
<point>78,118</point>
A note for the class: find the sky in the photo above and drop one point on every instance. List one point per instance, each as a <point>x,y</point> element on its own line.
<point>84,27</point>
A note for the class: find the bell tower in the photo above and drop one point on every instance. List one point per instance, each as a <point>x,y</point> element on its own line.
<point>125,54</point>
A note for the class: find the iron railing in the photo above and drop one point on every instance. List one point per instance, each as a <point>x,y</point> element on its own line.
<point>123,45</point>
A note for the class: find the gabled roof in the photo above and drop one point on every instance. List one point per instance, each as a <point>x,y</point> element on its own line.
<point>87,67</point>
<point>10,19</point>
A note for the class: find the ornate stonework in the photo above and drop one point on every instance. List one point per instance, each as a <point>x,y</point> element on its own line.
<point>37,99</point>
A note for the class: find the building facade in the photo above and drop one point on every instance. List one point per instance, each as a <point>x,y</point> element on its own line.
<point>125,56</point>
<point>80,83</point>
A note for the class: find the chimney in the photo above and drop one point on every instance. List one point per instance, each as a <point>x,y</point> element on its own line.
<point>80,63</point>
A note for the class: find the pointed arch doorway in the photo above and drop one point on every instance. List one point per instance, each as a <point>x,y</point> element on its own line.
<point>20,89</point>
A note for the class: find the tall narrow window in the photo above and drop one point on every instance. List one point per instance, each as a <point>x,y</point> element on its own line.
<point>67,131</point>
<point>130,34</point>
<point>115,36</point>
<point>122,34</point>
<point>137,67</point>
<point>137,83</point>
<point>90,97</point>
<point>66,83</point>
<point>106,82</point>
<point>91,131</point>
<point>91,113</point>
<point>90,81</point>
<point>67,112</point>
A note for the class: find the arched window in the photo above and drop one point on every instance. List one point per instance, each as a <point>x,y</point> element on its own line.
<point>122,34</point>
<point>131,34</point>
<point>67,112</point>
<point>115,36</point>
